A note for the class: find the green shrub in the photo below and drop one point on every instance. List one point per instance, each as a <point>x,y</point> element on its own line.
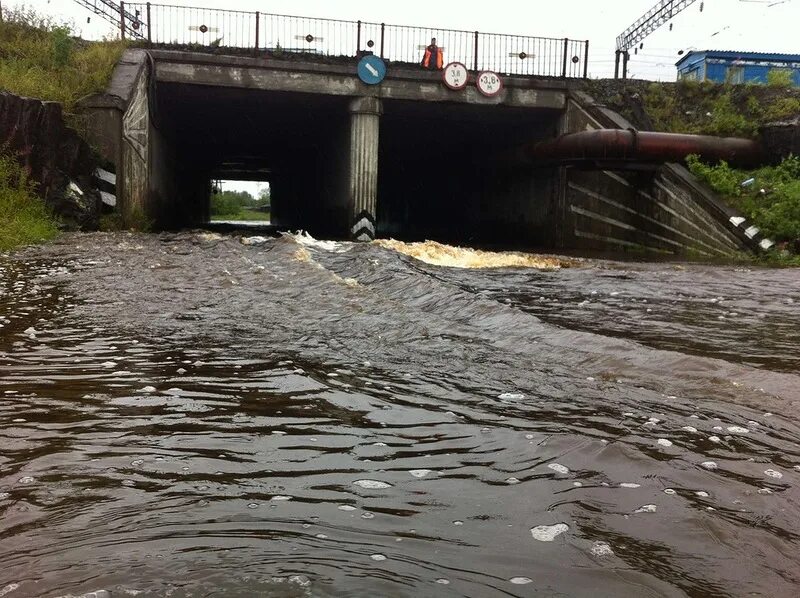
<point>780,78</point>
<point>24,218</point>
<point>783,108</point>
<point>772,201</point>
<point>727,121</point>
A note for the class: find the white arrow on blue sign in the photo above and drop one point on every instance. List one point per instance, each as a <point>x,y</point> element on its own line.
<point>371,69</point>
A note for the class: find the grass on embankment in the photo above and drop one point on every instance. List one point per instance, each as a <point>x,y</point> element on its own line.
<point>699,107</point>
<point>40,58</point>
<point>24,218</point>
<point>769,196</point>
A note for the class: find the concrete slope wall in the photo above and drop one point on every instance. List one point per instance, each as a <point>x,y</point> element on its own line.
<point>665,210</point>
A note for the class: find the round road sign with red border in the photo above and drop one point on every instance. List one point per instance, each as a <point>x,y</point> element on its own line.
<point>455,76</point>
<point>489,83</point>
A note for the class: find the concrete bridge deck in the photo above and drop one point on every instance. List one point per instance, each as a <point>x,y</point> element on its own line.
<point>408,157</point>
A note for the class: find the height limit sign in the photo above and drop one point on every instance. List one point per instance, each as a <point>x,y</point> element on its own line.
<point>489,83</point>
<point>455,76</point>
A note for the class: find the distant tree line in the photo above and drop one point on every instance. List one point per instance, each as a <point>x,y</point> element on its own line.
<point>229,203</point>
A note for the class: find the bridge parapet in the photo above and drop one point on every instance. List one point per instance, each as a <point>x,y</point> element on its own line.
<point>262,32</point>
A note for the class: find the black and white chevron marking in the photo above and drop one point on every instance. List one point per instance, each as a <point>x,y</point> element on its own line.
<point>107,186</point>
<point>364,227</point>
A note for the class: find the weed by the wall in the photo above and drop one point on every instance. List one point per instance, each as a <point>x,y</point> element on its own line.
<point>24,218</point>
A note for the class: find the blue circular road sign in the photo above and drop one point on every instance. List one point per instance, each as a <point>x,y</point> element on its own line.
<point>371,69</point>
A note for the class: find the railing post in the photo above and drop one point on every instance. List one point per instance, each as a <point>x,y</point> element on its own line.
<point>586,60</point>
<point>566,51</point>
<point>475,58</point>
<point>383,34</point>
<point>149,29</point>
<point>358,38</point>
<point>122,18</point>
<point>258,27</point>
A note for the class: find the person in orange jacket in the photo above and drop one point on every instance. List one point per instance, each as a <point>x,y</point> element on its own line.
<point>433,58</point>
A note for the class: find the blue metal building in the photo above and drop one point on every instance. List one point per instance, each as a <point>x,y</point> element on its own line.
<point>735,67</point>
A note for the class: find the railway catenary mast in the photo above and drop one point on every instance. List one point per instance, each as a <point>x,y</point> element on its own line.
<point>659,14</point>
<point>115,13</point>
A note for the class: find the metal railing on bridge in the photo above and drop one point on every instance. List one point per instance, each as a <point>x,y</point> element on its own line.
<point>277,34</point>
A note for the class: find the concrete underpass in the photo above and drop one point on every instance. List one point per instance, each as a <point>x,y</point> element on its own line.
<point>408,158</point>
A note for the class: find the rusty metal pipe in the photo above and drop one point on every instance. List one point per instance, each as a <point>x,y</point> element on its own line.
<point>628,145</point>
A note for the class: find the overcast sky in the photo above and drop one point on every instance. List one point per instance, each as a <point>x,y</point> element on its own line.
<point>754,25</point>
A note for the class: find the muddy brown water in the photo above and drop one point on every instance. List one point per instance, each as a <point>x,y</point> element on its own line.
<point>187,415</point>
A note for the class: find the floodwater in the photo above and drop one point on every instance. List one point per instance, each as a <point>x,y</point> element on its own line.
<point>191,415</point>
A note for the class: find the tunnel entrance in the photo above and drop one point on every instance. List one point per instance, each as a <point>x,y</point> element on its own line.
<point>447,173</point>
<point>290,141</point>
<point>442,168</point>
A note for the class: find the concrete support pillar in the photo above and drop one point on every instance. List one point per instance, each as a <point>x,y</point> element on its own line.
<point>365,114</point>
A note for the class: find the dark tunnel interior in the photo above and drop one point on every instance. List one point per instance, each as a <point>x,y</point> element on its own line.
<point>443,169</point>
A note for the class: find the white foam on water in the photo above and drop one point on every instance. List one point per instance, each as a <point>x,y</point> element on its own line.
<point>577,484</point>
<point>19,420</point>
<point>147,389</point>
<point>26,479</point>
<point>379,444</point>
<point>664,442</point>
<point>520,581</point>
<point>629,485</point>
<point>278,433</point>
<point>4,495</point>
<point>717,428</point>
<point>701,494</point>
<point>9,588</point>
<point>378,557</point>
<point>420,473</point>
<point>137,462</point>
<point>346,508</point>
<point>458,522</point>
<point>303,238</point>
<point>252,505</point>
<point>512,481</point>
<point>511,396</point>
<point>709,465</point>
<point>646,509</point>
<point>529,436</point>
<point>300,580</point>
<point>371,484</point>
<point>108,364</point>
<point>738,430</point>
<point>558,468</point>
<point>669,491</point>
<point>773,474</point>
<point>443,581</point>
<point>714,439</point>
<point>280,497</point>
<point>548,533</point>
<point>764,491</point>
<point>689,429</point>
<point>321,536</point>
<point>367,515</point>
<point>601,549</point>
